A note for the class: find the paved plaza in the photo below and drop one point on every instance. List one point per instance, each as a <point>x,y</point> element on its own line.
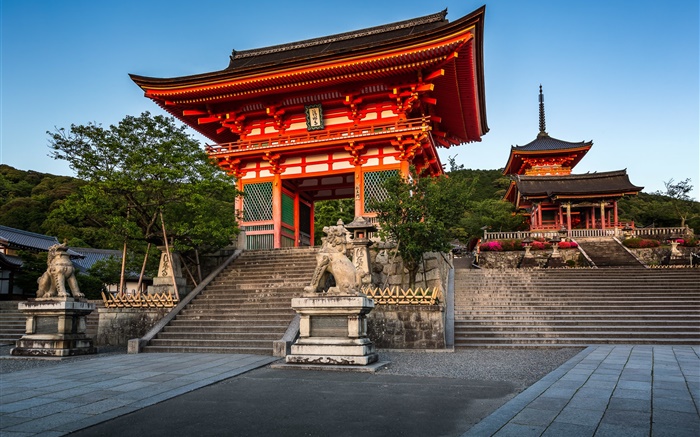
<point>603,390</point>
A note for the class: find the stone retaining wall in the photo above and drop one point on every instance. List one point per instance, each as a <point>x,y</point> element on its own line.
<point>118,325</point>
<point>654,256</point>
<point>511,259</point>
<point>407,327</point>
<point>388,270</point>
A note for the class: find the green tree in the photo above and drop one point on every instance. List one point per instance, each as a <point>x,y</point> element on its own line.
<point>135,171</point>
<point>679,193</point>
<point>417,214</point>
<point>328,212</point>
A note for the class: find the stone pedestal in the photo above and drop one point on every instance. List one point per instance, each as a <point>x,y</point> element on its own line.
<point>333,330</point>
<point>55,328</point>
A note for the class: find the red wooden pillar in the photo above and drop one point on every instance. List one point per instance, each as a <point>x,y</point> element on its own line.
<point>359,191</point>
<point>602,215</point>
<point>277,210</point>
<point>539,216</point>
<point>615,213</point>
<point>568,218</point>
<point>311,238</point>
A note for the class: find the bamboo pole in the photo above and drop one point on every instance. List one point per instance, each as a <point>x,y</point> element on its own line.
<point>123,268</point>
<point>143,268</point>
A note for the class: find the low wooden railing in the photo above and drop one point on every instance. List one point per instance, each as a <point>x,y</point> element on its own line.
<point>299,138</point>
<point>399,296</point>
<point>579,233</point>
<point>140,300</point>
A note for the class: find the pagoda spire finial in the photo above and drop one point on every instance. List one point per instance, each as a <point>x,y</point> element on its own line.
<point>542,122</point>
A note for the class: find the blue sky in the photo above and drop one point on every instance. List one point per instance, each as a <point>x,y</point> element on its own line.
<point>623,74</point>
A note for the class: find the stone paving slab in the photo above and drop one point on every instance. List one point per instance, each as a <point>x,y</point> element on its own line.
<point>606,390</point>
<point>71,396</point>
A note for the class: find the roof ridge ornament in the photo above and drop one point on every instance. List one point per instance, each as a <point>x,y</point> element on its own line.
<point>543,125</point>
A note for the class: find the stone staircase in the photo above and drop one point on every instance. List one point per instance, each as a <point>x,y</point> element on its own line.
<point>606,252</point>
<point>574,307</point>
<point>12,322</point>
<point>244,309</point>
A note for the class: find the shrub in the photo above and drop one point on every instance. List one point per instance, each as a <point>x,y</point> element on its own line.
<point>691,242</point>
<point>541,245</point>
<point>491,246</point>
<point>568,245</point>
<point>640,243</point>
<point>511,244</point>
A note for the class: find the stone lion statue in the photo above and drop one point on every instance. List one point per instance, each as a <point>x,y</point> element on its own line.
<point>60,270</point>
<point>331,260</point>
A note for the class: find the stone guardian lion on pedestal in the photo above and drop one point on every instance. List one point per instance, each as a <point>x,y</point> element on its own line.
<point>60,270</point>
<point>331,260</point>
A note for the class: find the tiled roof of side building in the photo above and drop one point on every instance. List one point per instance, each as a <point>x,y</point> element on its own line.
<point>91,256</point>
<point>25,240</point>
<point>338,43</point>
<point>20,239</point>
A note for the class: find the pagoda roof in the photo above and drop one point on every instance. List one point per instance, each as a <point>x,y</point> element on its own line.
<point>572,186</point>
<point>323,68</point>
<point>544,145</point>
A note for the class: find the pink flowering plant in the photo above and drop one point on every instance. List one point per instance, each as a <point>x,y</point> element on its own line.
<point>640,243</point>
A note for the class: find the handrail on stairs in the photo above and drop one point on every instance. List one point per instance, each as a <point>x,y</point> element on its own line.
<point>136,345</point>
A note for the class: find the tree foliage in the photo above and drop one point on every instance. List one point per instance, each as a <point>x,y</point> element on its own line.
<point>136,170</point>
<point>328,212</point>
<point>417,214</point>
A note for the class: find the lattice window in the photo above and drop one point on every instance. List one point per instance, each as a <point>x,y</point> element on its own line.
<point>374,186</point>
<point>257,202</point>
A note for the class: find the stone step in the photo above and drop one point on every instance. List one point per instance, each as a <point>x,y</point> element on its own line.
<point>195,349</point>
<point>223,336</point>
<point>523,329</point>
<point>193,324</point>
<point>251,344</point>
<point>584,324</point>
<point>226,328</point>
<point>467,342</point>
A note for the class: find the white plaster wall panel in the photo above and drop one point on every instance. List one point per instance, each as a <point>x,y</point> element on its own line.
<point>292,170</point>
<point>292,161</point>
<point>372,162</point>
<point>316,158</point>
<point>265,173</point>
<point>316,168</point>
<point>390,160</point>
<point>336,120</point>
<point>342,165</point>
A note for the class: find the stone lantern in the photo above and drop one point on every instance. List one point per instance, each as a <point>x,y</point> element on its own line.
<point>555,246</point>
<point>360,229</point>
<point>674,246</point>
<point>528,242</point>
<point>627,231</point>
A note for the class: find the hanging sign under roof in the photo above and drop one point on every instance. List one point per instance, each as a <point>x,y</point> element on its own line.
<point>314,117</point>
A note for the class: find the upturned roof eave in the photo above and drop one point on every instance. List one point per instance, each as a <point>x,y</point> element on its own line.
<point>475,19</point>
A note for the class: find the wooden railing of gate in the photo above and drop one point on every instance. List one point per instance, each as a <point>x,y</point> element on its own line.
<point>140,300</point>
<point>399,296</point>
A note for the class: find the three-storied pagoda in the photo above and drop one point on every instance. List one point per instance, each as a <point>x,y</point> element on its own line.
<point>554,198</point>
<point>333,117</point>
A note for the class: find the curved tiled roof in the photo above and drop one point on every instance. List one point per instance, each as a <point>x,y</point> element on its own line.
<point>25,240</point>
<point>604,183</point>
<point>545,142</point>
<point>337,43</point>
<point>20,239</point>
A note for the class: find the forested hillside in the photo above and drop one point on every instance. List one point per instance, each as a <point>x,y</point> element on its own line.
<point>27,198</point>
